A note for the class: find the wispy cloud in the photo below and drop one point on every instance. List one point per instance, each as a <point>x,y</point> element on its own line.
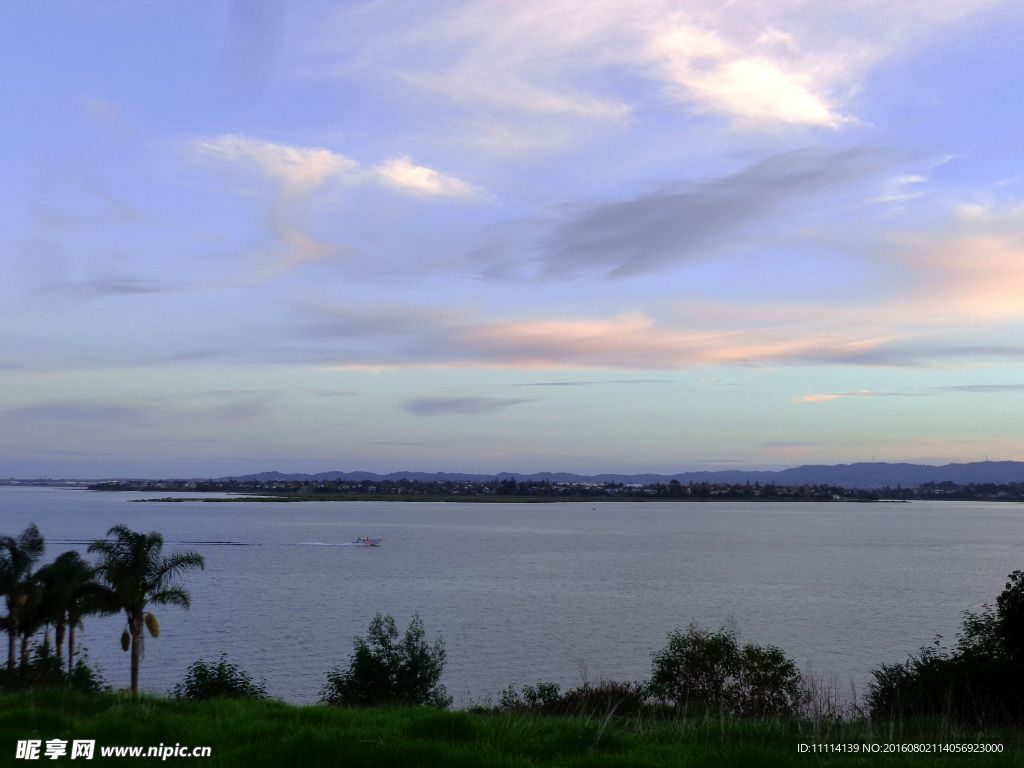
<point>296,172</point>
<point>824,397</point>
<point>615,382</point>
<point>299,172</point>
<point>760,66</point>
<point>119,287</point>
<point>970,273</point>
<point>298,169</point>
<point>899,189</point>
<point>443,406</point>
<point>984,388</point>
<point>404,444</point>
<point>81,412</point>
<point>628,341</point>
<point>692,221</point>
<point>157,412</point>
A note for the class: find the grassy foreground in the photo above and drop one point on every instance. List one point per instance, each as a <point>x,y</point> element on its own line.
<point>273,734</point>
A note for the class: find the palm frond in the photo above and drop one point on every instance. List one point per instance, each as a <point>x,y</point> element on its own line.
<point>178,563</point>
<point>172,596</point>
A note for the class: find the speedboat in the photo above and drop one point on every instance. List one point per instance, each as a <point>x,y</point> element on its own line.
<point>365,541</point>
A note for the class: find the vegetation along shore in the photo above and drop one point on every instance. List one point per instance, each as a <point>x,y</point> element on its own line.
<point>536,491</point>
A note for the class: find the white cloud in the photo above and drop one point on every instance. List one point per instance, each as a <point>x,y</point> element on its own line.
<point>297,168</point>
<point>760,65</point>
<point>299,172</point>
<point>755,90</point>
<point>403,174</point>
<point>824,397</point>
<point>899,189</point>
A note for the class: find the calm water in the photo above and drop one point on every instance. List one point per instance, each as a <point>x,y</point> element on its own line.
<point>524,592</point>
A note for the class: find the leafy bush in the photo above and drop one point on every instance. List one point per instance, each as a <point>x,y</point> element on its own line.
<point>220,680</point>
<point>544,696</point>
<point>384,669</point>
<point>45,669</point>
<point>588,700</point>
<point>709,671</point>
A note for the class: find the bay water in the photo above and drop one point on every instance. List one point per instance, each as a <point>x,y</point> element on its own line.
<point>529,592</point>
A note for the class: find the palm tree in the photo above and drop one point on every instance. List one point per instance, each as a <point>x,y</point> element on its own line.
<point>17,556</point>
<point>70,592</point>
<point>134,574</point>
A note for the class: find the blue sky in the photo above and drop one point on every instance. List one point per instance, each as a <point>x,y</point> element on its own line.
<point>490,236</point>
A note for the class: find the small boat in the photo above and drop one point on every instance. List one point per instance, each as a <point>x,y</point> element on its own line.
<point>365,541</point>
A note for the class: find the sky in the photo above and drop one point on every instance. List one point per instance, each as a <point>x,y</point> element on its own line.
<point>548,235</point>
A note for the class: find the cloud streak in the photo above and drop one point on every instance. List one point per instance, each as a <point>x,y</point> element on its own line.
<point>633,341</point>
<point>446,406</point>
<point>688,222</point>
<point>80,413</point>
<point>613,382</point>
<point>825,397</point>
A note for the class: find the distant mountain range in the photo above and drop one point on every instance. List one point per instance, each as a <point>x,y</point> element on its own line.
<point>859,475</point>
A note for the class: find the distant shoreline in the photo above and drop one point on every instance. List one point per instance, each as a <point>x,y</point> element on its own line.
<point>244,499</point>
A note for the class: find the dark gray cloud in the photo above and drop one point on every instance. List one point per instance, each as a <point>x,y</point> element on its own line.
<point>443,406</point>
<point>686,221</point>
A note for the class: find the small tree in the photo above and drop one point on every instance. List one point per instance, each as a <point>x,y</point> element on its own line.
<point>709,671</point>
<point>220,680</point>
<point>385,669</point>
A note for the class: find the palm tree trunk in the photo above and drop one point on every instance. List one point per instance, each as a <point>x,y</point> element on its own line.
<point>71,649</point>
<point>12,634</point>
<point>58,639</point>
<point>136,625</point>
<point>24,648</point>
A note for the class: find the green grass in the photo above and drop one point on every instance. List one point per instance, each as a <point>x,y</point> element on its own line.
<point>271,734</point>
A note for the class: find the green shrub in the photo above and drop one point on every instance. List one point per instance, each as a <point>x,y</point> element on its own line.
<point>220,680</point>
<point>384,669</point>
<point>46,669</point>
<point>704,671</point>
<point>588,700</point>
